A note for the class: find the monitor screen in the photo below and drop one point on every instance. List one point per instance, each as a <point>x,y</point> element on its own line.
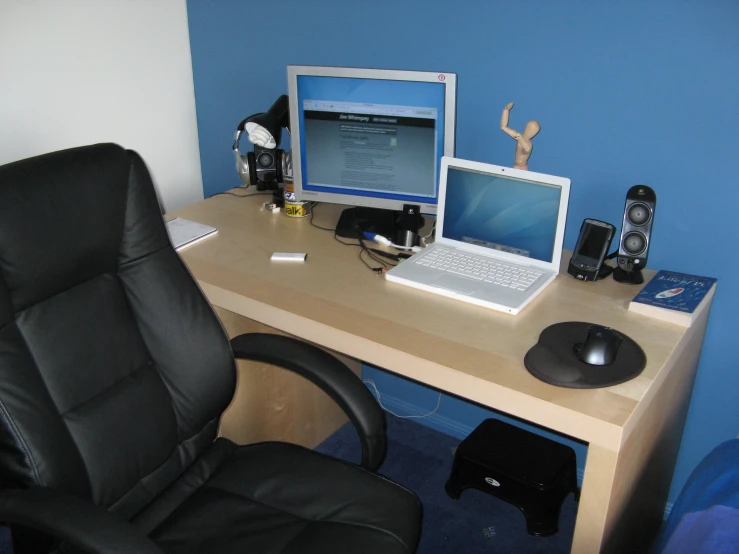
<point>370,137</point>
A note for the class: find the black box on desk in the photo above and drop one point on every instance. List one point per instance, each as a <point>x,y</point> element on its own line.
<point>530,471</point>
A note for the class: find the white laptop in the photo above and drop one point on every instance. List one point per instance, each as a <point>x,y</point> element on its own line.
<point>491,216</point>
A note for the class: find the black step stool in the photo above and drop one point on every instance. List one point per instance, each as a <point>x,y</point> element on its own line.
<point>531,472</point>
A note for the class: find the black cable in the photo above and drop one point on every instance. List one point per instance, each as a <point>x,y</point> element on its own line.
<point>373,256</point>
<point>245,187</point>
<point>381,268</point>
<point>337,239</point>
<point>363,249</point>
<point>360,243</point>
<point>388,255</point>
<point>312,213</point>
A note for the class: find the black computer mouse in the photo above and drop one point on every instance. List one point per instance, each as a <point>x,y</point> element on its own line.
<point>600,346</point>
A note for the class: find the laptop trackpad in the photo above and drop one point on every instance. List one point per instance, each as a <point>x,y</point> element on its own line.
<point>457,283</point>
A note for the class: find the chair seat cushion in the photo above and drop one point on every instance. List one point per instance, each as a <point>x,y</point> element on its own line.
<point>282,498</point>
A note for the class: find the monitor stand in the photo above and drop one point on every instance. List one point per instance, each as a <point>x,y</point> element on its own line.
<point>354,222</point>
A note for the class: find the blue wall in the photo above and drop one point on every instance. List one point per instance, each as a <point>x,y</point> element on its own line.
<point>627,92</point>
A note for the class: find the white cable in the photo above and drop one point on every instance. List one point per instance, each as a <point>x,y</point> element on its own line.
<point>382,240</point>
<point>412,248</point>
<point>424,239</point>
<point>371,382</point>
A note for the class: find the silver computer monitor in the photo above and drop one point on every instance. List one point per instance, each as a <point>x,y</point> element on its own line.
<point>370,137</point>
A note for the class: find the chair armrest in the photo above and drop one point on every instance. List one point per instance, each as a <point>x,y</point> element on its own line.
<point>332,376</point>
<point>74,520</point>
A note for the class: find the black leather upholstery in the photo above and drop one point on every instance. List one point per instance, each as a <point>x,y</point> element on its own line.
<point>114,372</point>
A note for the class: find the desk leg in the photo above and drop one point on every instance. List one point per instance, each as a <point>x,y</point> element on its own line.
<point>271,403</point>
<point>624,493</point>
<point>592,512</point>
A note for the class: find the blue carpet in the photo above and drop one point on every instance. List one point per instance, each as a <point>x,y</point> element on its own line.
<point>421,459</point>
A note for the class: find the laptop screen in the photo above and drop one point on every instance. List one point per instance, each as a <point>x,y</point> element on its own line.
<point>502,213</point>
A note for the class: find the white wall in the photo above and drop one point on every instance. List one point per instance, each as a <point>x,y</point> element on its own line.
<point>77,72</point>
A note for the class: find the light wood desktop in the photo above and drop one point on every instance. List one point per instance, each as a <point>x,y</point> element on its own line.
<point>633,430</point>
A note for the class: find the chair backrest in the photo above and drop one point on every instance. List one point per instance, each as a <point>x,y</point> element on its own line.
<point>114,370</point>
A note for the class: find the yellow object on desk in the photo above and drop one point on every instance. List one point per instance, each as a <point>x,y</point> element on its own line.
<point>293,206</point>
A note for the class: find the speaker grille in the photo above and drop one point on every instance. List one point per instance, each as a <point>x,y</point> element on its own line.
<point>638,214</point>
<point>634,243</point>
<point>266,160</point>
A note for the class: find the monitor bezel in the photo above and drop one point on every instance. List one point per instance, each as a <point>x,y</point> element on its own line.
<point>449,80</point>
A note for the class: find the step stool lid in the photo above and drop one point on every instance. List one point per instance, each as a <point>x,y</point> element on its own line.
<point>518,453</point>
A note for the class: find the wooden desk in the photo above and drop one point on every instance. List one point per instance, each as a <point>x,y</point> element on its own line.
<point>633,429</point>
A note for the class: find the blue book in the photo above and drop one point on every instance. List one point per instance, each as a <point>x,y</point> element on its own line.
<point>675,297</point>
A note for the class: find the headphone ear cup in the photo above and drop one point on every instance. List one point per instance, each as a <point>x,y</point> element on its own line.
<point>251,162</point>
<point>242,167</point>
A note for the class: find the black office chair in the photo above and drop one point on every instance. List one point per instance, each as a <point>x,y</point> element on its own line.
<point>114,372</point>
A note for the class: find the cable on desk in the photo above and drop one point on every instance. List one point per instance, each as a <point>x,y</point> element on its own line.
<point>383,254</point>
<point>371,382</point>
<point>383,267</point>
<point>384,264</point>
<point>387,242</point>
<point>245,187</point>
<point>431,233</point>
<point>312,213</point>
<point>363,249</point>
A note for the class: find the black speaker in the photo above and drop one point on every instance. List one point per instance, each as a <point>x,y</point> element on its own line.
<point>636,231</point>
<point>268,165</point>
<point>408,225</point>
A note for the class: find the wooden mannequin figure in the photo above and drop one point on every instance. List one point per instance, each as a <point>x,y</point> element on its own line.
<point>525,145</point>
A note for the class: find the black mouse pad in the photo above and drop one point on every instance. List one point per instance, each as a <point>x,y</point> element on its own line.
<point>553,359</point>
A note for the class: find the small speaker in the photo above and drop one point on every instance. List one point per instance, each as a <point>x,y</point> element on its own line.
<point>263,168</point>
<point>636,230</point>
<point>268,164</point>
<point>408,225</point>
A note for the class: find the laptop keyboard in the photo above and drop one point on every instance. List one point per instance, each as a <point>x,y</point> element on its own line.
<point>480,268</point>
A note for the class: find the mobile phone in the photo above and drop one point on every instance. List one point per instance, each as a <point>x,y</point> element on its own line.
<point>591,250</point>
